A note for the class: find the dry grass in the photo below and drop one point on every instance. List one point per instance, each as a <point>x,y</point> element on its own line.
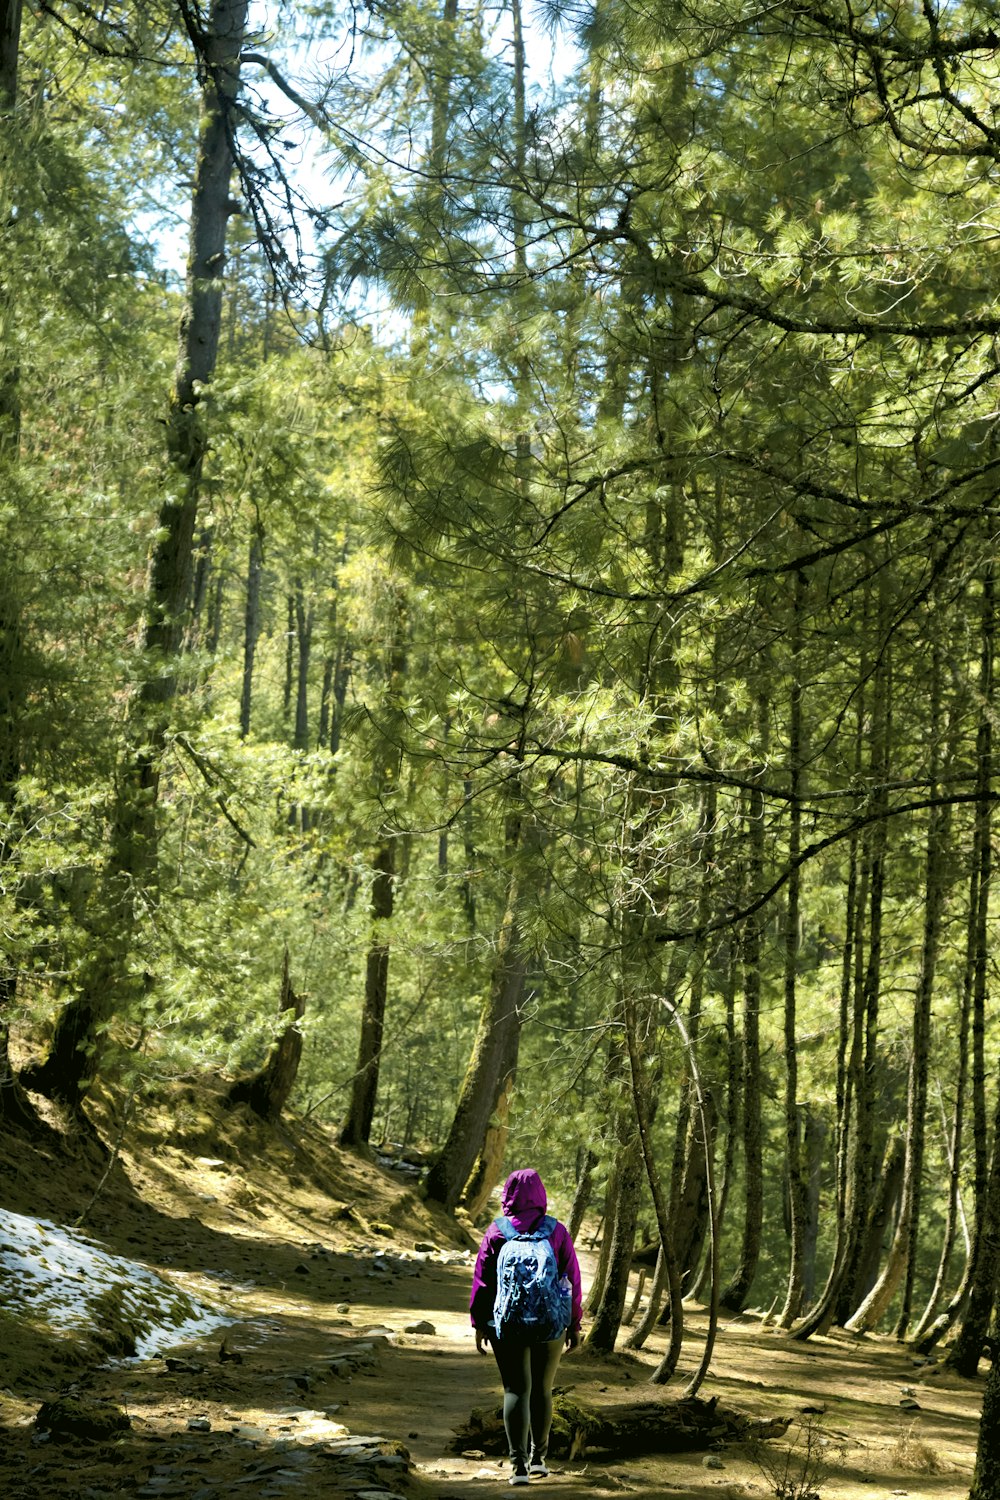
<point>915,1456</point>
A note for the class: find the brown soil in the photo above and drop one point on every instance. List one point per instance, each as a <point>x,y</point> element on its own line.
<point>314,1254</point>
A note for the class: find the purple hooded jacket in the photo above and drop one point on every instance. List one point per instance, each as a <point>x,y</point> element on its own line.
<point>524,1202</point>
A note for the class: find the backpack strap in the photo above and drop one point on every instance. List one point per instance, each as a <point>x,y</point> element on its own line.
<point>543,1232</point>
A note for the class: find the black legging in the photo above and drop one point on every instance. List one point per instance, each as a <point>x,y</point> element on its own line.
<point>527,1372</point>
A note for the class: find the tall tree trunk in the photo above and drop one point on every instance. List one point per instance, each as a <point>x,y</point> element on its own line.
<point>930,1330</point>
<point>10,378</point>
<point>604,1228</point>
<point>201,585</point>
<point>794,1171</point>
<point>967,1349</point>
<point>986,1479</point>
<point>289,682</point>
<point>984,767</point>
<point>251,624</point>
<point>814,1132</point>
<point>900,1257</point>
<point>489,1167</point>
<point>325,700</point>
<point>643,1101</point>
<point>14,1105</point>
<point>303,641</point>
<point>861,1141</point>
<point>343,663</point>
<point>584,1191</point>
<point>735,1294</point>
<point>619,1233</point>
<point>848,1069</point>
<point>883,1214</point>
<point>213,631</point>
<point>356,1129</point>
<point>15,1108</point>
<point>732,1117</point>
<point>685,1199</point>
<point>131,867</point>
<point>267,1091</point>
<point>669,1270</point>
<point>868,980</point>
<point>494,1053</point>
<point>694,1203</point>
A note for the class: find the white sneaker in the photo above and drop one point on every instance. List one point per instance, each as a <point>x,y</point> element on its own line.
<point>539,1468</point>
<point>519,1476</point>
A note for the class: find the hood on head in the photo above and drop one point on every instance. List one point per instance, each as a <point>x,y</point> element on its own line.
<point>524,1194</point>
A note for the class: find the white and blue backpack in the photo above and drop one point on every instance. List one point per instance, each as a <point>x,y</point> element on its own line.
<point>533,1302</point>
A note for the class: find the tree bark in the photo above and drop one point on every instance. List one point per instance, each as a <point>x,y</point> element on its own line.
<point>303,641</point>
<point>10,378</point>
<point>972,1010</point>
<point>900,1257</point>
<point>986,1479</point>
<point>494,1052</point>
<point>643,1101</point>
<point>10,45</point>
<point>967,1349</point>
<point>341,682</point>
<point>884,1213</point>
<point>867,981</point>
<point>286,694</point>
<point>251,624</point>
<point>694,1204</point>
<point>15,1107</point>
<point>794,1171</point>
<point>735,1294</point>
<point>819,1317</point>
<point>687,1205</point>
<point>489,1168</point>
<point>357,1127</point>
<point>74,1056</point>
<point>814,1131</point>
<point>620,1235</point>
<point>267,1091</point>
<point>583,1193</point>
<point>981,955</point>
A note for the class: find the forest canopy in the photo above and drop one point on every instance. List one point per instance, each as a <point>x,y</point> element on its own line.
<point>500,653</point>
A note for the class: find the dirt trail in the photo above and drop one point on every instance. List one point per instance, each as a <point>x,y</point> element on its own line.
<point>350,1360</point>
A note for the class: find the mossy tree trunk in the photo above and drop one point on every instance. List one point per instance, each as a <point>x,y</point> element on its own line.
<point>15,1108</point>
<point>267,1091</point>
<point>986,1479</point>
<point>131,868</point>
<point>489,1168</point>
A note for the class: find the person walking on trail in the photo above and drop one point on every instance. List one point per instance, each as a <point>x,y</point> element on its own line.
<point>526,1305</point>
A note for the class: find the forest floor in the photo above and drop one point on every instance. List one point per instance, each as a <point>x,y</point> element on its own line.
<point>347,1361</point>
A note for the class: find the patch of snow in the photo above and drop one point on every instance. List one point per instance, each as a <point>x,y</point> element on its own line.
<point>53,1275</point>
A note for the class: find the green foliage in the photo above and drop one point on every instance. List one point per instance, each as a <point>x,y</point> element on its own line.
<point>715,313</point>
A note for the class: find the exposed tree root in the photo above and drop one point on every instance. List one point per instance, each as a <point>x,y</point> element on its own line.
<point>680,1426</point>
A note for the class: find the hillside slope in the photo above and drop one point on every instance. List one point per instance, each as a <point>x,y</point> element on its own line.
<point>343,1362</point>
